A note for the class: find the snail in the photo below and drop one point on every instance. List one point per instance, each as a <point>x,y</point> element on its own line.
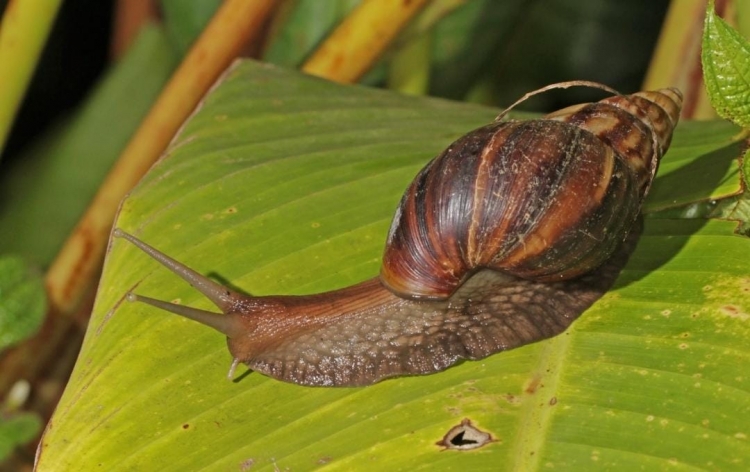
<point>503,239</point>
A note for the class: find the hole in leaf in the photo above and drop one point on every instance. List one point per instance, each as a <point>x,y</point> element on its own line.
<point>464,437</point>
<point>459,440</point>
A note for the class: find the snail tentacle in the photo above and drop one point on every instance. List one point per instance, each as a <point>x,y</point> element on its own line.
<point>224,298</point>
<point>221,323</point>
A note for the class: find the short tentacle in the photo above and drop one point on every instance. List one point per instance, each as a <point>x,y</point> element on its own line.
<point>226,324</point>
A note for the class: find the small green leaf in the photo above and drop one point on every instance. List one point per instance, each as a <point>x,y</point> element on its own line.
<point>726,69</point>
<point>737,209</point>
<point>22,300</point>
<point>17,430</point>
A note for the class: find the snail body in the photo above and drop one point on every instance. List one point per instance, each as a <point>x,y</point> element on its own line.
<point>503,239</point>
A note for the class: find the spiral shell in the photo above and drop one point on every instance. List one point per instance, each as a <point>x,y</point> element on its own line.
<point>546,199</point>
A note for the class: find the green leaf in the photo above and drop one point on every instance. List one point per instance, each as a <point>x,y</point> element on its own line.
<point>467,43</point>
<point>17,430</point>
<point>184,21</point>
<point>283,183</point>
<point>45,194</point>
<point>726,69</point>
<point>23,301</point>
<point>301,27</point>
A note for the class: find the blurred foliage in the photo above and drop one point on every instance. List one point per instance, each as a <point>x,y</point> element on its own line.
<point>300,26</point>
<point>71,62</point>
<point>478,50</point>
<point>494,52</point>
<point>184,21</point>
<point>543,41</point>
<point>22,300</point>
<point>43,194</point>
<point>481,49</point>
<point>16,430</point>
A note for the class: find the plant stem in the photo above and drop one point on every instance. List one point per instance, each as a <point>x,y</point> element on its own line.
<point>23,32</point>
<point>354,47</point>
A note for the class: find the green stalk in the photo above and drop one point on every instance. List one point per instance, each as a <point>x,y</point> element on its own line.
<point>409,71</point>
<point>23,32</point>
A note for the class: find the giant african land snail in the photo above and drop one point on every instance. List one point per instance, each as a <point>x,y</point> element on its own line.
<point>503,239</point>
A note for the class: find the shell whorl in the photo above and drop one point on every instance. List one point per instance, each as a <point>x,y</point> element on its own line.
<point>546,199</point>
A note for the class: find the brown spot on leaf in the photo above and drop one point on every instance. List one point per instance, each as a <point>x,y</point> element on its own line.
<point>247,464</point>
<point>730,309</point>
<point>185,426</point>
<point>734,311</point>
<point>512,399</point>
<point>534,384</point>
<point>553,401</point>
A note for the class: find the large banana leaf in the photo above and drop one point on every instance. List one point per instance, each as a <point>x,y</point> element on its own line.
<point>282,183</point>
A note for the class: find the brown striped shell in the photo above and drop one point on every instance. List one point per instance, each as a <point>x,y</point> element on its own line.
<point>546,199</point>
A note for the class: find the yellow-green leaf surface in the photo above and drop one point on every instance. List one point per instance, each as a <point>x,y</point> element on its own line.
<point>282,183</point>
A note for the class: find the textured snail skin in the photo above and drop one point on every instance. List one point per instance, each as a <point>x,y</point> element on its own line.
<point>376,334</point>
<point>502,240</point>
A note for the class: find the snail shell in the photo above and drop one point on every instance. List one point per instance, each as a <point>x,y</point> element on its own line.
<point>550,199</point>
<point>504,239</point>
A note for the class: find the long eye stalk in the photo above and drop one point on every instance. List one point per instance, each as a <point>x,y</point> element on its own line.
<point>222,297</point>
